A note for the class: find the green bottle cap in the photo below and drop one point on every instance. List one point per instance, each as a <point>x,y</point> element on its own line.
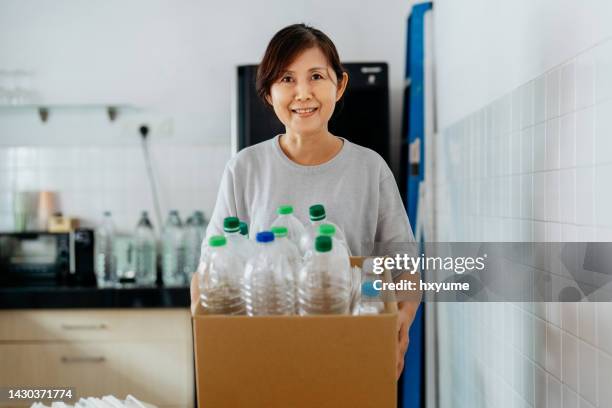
<point>323,243</point>
<point>231,224</point>
<point>244,228</point>
<point>317,212</point>
<point>327,229</point>
<point>217,241</point>
<point>285,209</point>
<point>279,231</point>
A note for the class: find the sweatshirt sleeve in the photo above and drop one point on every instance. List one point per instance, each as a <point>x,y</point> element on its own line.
<point>225,205</point>
<point>393,226</point>
<point>393,233</point>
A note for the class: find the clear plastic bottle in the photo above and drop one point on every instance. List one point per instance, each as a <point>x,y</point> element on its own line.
<point>195,230</point>
<point>106,261</point>
<point>324,281</point>
<point>145,253</point>
<point>236,242</point>
<point>329,230</point>
<point>368,300</point>
<point>267,286</point>
<point>244,229</point>
<point>318,217</point>
<point>285,218</point>
<point>220,279</point>
<point>287,249</point>
<point>173,251</point>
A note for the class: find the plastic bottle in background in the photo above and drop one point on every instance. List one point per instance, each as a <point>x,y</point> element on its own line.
<point>285,218</point>
<point>173,251</point>
<point>287,249</point>
<point>195,230</point>
<point>318,217</point>
<point>220,279</point>
<point>236,242</point>
<point>106,271</point>
<point>145,253</point>
<point>324,281</point>
<point>244,229</point>
<point>368,301</point>
<point>267,286</point>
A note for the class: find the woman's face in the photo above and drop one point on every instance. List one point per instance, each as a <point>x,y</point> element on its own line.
<point>306,93</point>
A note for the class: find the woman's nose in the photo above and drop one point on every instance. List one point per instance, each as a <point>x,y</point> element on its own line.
<point>303,91</point>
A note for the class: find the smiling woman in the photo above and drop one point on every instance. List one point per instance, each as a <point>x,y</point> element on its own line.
<point>300,77</point>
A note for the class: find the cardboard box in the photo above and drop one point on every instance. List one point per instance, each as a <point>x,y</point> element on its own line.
<point>296,361</point>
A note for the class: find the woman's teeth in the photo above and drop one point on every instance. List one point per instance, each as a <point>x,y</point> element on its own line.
<point>304,110</point>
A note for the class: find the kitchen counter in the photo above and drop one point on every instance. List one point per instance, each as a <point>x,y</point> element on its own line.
<point>93,297</point>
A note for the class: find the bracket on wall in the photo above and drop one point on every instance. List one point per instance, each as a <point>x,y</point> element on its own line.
<point>112,111</point>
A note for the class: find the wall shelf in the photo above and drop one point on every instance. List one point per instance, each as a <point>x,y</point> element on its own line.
<point>44,110</point>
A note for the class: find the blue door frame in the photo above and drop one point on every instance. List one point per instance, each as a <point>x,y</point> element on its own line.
<point>411,384</point>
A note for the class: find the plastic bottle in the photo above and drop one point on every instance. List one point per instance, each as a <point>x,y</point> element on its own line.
<point>195,230</point>
<point>318,217</point>
<point>287,249</point>
<point>236,242</point>
<point>220,279</point>
<point>173,251</point>
<point>145,254</point>
<point>267,286</point>
<point>324,281</point>
<point>244,229</point>
<point>285,218</point>
<point>106,262</point>
<point>338,246</point>
<point>368,299</point>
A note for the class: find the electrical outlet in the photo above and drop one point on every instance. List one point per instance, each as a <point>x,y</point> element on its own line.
<point>159,126</point>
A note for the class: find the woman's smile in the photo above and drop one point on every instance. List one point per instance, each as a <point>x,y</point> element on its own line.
<point>304,112</point>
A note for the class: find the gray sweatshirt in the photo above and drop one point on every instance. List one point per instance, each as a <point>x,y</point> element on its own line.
<point>356,187</point>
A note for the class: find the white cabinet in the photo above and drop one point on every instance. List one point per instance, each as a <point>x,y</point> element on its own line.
<point>147,353</point>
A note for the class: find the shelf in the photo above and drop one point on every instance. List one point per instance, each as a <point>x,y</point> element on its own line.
<point>44,110</point>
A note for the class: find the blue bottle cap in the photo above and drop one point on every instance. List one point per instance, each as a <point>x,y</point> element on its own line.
<point>265,236</point>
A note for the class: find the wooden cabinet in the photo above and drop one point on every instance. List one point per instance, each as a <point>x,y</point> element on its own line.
<point>146,353</point>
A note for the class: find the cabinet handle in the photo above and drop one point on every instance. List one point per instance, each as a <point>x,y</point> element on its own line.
<point>71,360</point>
<point>100,326</point>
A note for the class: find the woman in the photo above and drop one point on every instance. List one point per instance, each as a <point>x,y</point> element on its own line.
<point>302,79</point>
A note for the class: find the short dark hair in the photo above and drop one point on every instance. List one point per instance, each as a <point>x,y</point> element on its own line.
<point>285,46</point>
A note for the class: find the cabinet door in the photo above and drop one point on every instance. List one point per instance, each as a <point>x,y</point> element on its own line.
<point>95,324</point>
<point>157,372</point>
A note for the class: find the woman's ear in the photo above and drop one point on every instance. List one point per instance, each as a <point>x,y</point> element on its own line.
<point>342,86</point>
<point>269,99</point>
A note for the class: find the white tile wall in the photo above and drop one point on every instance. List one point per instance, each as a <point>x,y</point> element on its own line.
<point>541,171</point>
<point>90,180</point>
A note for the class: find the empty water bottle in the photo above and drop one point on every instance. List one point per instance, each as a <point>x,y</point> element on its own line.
<point>145,253</point>
<point>173,251</point>
<point>368,300</point>
<point>244,229</point>
<point>236,242</point>
<point>288,250</point>
<point>220,279</point>
<point>195,230</point>
<point>318,217</point>
<point>324,282</point>
<point>267,287</point>
<point>285,218</point>
<point>105,266</point>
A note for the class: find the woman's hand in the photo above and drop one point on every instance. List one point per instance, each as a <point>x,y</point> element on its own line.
<point>405,316</point>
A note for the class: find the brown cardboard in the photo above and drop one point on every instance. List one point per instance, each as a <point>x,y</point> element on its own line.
<point>296,361</point>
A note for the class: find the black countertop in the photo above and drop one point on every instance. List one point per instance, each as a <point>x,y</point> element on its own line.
<point>93,297</point>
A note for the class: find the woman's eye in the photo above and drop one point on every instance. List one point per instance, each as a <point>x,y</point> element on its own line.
<point>286,79</point>
<point>317,76</point>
